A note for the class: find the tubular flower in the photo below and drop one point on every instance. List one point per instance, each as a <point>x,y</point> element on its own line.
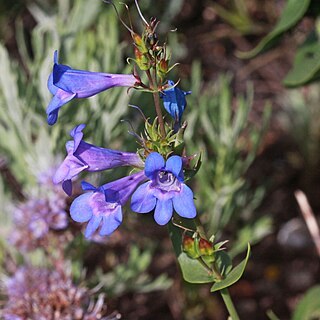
<point>66,84</point>
<point>165,191</point>
<point>82,156</point>
<point>103,206</point>
<point>174,101</point>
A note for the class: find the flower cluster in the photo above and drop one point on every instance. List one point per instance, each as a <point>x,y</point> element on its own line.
<point>39,293</point>
<point>37,220</point>
<point>157,183</point>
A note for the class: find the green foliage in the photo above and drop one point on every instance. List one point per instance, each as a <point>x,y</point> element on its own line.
<point>300,117</point>
<point>234,275</point>
<point>132,276</point>
<point>19,125</point>
<point>250,232</point>
<point>193,271</point>
<point>229,145</point>
<point>308,307</point>
<point>237,16</point>
<point>292,13</point>
<point>306,65</point>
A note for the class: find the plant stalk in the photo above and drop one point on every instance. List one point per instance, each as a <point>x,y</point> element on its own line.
<point>156,100</point>
<point>224,292</point>
<point>229,304</point>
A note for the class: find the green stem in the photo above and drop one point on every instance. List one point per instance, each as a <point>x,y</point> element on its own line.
<point>229,304</point>
<point>200,228</point>
<point>156,100</point>
<point>224,292</point>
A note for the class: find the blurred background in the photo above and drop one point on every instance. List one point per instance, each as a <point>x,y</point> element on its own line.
<point>253,68</point>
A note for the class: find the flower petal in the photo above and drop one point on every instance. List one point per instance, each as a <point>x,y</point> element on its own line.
<point>77,135</point>
<point>69,168</point>
<point>60,98</point>
<point>86,186</point>
<point>111,222</point>
<point>55,56</point>
<point>92,225</point>
<point>174,165</point>
<point>67,187</point>
<point>52,88</point>
<point>163,212</point>
<point>142,200</point>
<point>183,203</point>
<point>174,101</point>
<point>80,209</point>
<point>154,162</point>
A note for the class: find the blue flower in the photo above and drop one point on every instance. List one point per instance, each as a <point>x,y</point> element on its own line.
<point>174,101</point>
<point>66,84</point>
<point>83,156</point>
<point>165,191</point>
<point>102,207</point>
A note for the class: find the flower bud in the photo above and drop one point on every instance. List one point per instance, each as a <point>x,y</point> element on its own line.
<point>140,44</point>
<point>142,60</point>
<point>189,247</point>
<point>198,247</point>
<point>162,68</point>
<point>205,248</point>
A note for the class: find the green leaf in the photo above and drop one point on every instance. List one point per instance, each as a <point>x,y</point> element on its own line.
<point>233,276</point>
<point>193,271</point>
<point>309,306</point>
<point>292,13</point>
<point>306,65</point>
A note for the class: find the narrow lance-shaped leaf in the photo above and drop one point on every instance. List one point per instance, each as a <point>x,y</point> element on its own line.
<point>292,13</point>
<point>234,275</point>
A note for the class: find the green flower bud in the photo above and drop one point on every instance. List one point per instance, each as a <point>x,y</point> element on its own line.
<point>162,68</point>
<point>205,247</point>
<point>140,44</point>
<point>142,60</point>
<point>189,247</point>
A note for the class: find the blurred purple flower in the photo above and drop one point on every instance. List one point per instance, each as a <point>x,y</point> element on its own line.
<point>165,191</point>
<point>39,293</point>
<point>174,101</point>
<point>66,84</point>
<point>83,156</point>
<point>103,205</point>
<point>37,219</point>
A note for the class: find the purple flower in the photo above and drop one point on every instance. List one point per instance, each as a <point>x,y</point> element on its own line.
<point>103,206</point>
<point>66,84</point>
<point>165,191</point>
<point>174,101</point>
<point>83,156</point>
<point>39,293</point>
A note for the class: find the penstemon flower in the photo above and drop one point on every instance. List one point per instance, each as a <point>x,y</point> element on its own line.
<point>174,101</point>
<point>83,156</point>
<point>66,84</point>
<point>160,186</point>
<point>165,191</point>
<point>103,206</point>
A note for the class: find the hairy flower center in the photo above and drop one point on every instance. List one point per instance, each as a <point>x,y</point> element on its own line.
<point>167,181</point>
